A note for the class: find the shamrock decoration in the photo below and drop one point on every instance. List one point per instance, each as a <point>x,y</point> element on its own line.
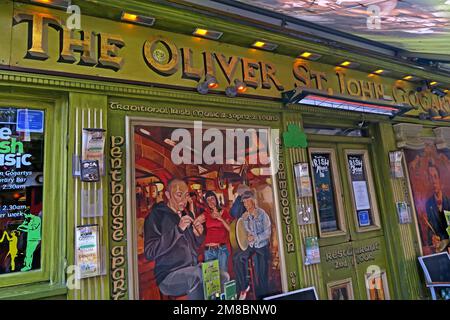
<point>294,137</point>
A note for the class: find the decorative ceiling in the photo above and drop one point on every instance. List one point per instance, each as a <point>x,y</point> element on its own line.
<point>421,26</point>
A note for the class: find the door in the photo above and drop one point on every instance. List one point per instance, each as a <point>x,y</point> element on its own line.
<point>350,235</point>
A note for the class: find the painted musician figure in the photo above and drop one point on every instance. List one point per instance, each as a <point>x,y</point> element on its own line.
<point>258,227</point>
<point>436,204</point>
<point>171,238</point>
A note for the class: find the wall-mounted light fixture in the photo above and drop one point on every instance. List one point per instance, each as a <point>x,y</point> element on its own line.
<point>318,98</point>
<point>349,64</point>
<point>410,78</point>
<point>60,4</point>
<point>208,34</point>
<point>239,87</point>
<point>309,56</point>
<point>444,115</point>
<point>433,83</point>
<point>137,19</point>
<point>434,114</point>
<point>209,83</point>
<point>259,44</point>
<point>381,72</point>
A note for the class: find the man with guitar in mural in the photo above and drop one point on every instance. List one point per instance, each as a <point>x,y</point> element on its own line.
<point>435,206</point>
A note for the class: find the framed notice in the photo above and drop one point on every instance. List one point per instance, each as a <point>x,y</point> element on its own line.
<point>340,290</point>
<point>87,252</point>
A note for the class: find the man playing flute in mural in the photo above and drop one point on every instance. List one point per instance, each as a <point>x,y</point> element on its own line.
<point>258,226</point>
<point>436,204</point>
<point>172,237</point>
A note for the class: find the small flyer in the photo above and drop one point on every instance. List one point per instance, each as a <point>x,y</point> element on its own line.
<point>312,250</point>
<point>211,279</point>
<point>94,146</point>
<point>302,180</point>
<point>363,218</point>
<point>90,171</point>
<point>395,159</point>
<point>87,251</point>
<point>403,212</point>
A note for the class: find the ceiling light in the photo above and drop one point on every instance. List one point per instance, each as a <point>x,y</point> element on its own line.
<point>349,64</point>
<point>318,98</point>
<point>310,56</point>
<point>138,19</point>
<point>239,87</point>
<point>209,83</point>
<point>60,4</point>
<point>264,45</point>
<point>209,34</point>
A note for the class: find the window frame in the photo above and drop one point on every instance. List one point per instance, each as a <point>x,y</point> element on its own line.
<point>49,279</point>
<point>338,195</point>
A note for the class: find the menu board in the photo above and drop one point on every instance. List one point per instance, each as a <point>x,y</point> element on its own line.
<point>21,183</point>
<point>324,188</point>
<point>360,189</point>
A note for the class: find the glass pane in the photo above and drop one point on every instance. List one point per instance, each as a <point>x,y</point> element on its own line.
<point>357,170</point>
<point>21,180</point>
<point>324,187</point>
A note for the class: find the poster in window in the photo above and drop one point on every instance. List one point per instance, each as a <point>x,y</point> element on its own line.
<point>21,183</point>
<point>356,167</point>
<point>323,184</point>
<point>429,173</point>
<point>87,251</point>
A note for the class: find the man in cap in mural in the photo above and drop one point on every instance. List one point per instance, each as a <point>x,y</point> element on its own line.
<point>171,238</point>
<point>258,227</point>
<point>435,206</point>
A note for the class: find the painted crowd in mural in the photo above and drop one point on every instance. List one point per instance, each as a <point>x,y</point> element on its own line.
<point>188,215</point>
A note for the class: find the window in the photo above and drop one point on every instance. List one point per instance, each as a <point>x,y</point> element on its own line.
<point>327,191</point>
<point>21,184</point>
<point>363,193</point>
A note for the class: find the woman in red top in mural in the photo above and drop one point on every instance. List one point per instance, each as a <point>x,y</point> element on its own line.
<point>217,231</point>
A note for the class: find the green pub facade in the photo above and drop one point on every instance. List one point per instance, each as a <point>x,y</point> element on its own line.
<point>355,171</point>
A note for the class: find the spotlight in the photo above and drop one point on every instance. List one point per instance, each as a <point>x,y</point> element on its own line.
<point>137,19</point>
<point>423,86</point>
<point>438,92</point>
<point>239,87</point>
<point>434,114</point>
<point>209,83</point>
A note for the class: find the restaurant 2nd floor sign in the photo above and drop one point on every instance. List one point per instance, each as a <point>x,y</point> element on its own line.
<point>167,60</point>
